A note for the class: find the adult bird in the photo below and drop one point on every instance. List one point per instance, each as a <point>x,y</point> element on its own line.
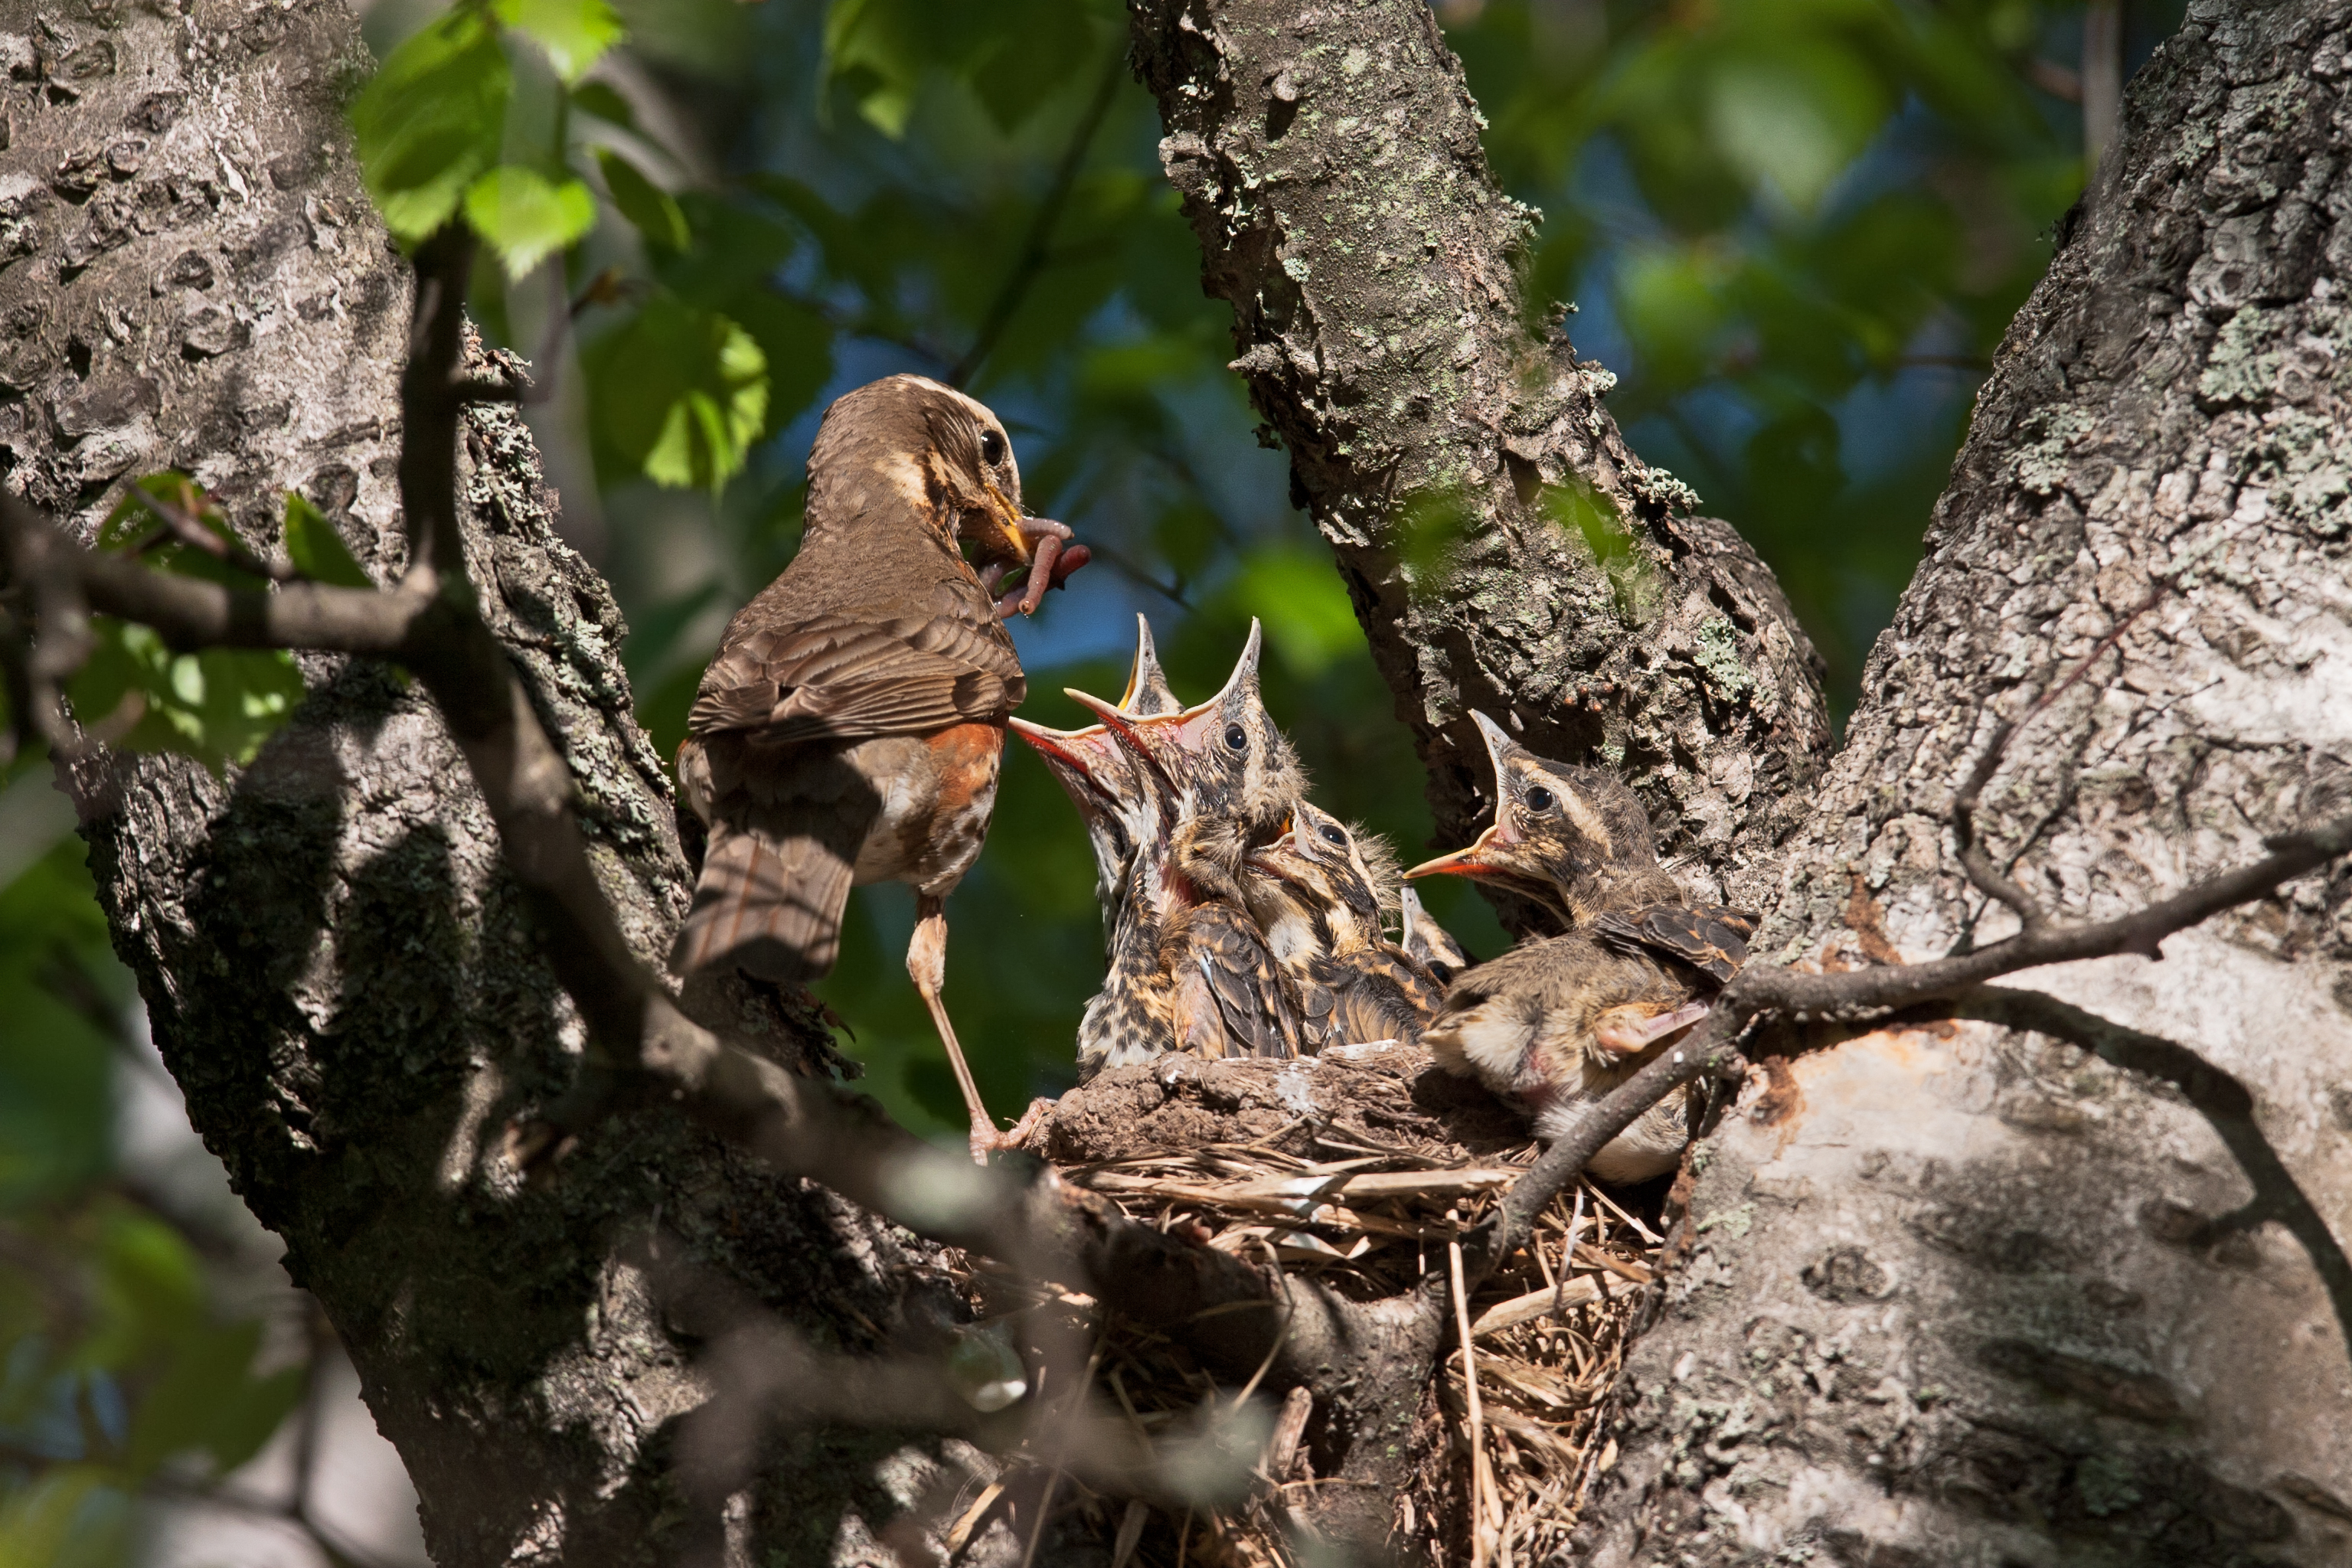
<point>850,728</point>
<point>1556,1023</point>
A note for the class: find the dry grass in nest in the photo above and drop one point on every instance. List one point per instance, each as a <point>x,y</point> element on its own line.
<point>1548,1338</point>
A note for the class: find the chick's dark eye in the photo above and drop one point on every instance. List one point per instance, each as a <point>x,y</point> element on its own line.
<point>1236,738</point>
<point>1333,836</point>
<point>991,448</point>
<point>1540,799</point>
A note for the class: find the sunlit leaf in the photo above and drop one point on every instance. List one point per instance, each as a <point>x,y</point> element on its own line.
<point>680,394</point>
<point>431,120</point>
<point>317,551</point>
<point>1793,117</point>
<point>654,211</point>
<point>217,705</point>
<point>574,33</point>
<point>132,522</point>
<point>526,217</point>
<point>1299,595</point>
<point>1590,516</point>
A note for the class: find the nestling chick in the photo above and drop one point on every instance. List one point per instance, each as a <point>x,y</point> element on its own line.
<point>1557,1022</point>
<point>1231,770</point>
<point>1189,968</point>
<point>1319,892</point>
<point>1427,942</point>
<point>1127,810</point>
<point>1571,840</point>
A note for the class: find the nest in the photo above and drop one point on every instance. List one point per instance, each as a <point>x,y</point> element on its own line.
<point>1509,1444</point>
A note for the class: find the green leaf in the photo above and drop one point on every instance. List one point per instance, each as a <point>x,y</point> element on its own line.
<point>681,393</point>
<point>317,551</point>
<point>525,217</point>
<point>605,101</point>
<point>869,49</point>
<point>1304,604</point>
<point>1792,118</point>
<point>574,33</point>
<point>217,706</point>
<point>247,1418</point>
<point>1591,516</point>
<point>201,1382</point>
<point>132,521</point>
<point>431,120</point>
<point>68,1517</point>
<point>653,210</point>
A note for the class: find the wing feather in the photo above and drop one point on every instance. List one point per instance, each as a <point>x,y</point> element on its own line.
<point>1710,938</point>
<point>846,675</point>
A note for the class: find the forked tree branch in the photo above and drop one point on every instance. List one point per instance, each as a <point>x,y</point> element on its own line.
<point>1860,996</point>
<point>638,1037</point>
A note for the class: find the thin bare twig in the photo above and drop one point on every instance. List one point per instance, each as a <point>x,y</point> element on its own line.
<point>1982,874</point>
<point>188,529</point>
<point>1031,257</point>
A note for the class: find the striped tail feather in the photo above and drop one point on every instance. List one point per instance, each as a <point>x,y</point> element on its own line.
<point>770,897</point>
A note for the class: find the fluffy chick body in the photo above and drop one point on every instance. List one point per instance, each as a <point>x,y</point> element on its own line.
<point>1318,891</point>
<point>1558,1022</point>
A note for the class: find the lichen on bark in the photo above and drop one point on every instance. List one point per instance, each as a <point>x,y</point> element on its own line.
<point>1504,548</point>
<point>1965,1302</point>
<point>337,968</point>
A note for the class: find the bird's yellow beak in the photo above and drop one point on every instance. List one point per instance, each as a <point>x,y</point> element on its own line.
<point>1008,523</point>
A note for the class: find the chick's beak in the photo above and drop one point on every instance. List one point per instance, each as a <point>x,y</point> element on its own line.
<point>1086,750</point>
<point>1478,860</point>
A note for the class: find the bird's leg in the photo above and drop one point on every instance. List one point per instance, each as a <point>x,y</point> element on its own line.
<point>926,966</point>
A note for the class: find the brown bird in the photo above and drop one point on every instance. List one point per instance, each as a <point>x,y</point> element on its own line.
<point>1191,966</point>
<point>1555,1023</point>
<point>1558,1022</point>
<point>1117,799</point>
<point>1125,806</point>
<point>1319,892</point>
<point>850,728</point>
<point>1425,941</point>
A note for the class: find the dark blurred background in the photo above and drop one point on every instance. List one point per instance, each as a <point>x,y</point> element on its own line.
<point>1795,229</point>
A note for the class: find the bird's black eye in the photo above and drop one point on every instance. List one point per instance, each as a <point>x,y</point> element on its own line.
<point>1333,836</point>
<point>1236,738</point>
<point>991,448</point>
<point>1540,799</point>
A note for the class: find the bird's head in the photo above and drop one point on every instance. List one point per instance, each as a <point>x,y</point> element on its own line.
<point>907,443</point>
<point>1564,837</point>
<point>1117,798</point>
<point>1348,876</point>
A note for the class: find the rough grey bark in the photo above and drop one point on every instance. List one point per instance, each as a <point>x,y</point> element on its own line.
<point>1956,1299</point>
<point>1330,162</point>
<point>337,971</point>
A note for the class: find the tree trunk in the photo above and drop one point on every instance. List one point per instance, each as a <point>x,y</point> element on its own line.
<point>336,968</point>
<point>1504,549</point>
<point>1965,1304</point>
<point>1958,1301</point>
